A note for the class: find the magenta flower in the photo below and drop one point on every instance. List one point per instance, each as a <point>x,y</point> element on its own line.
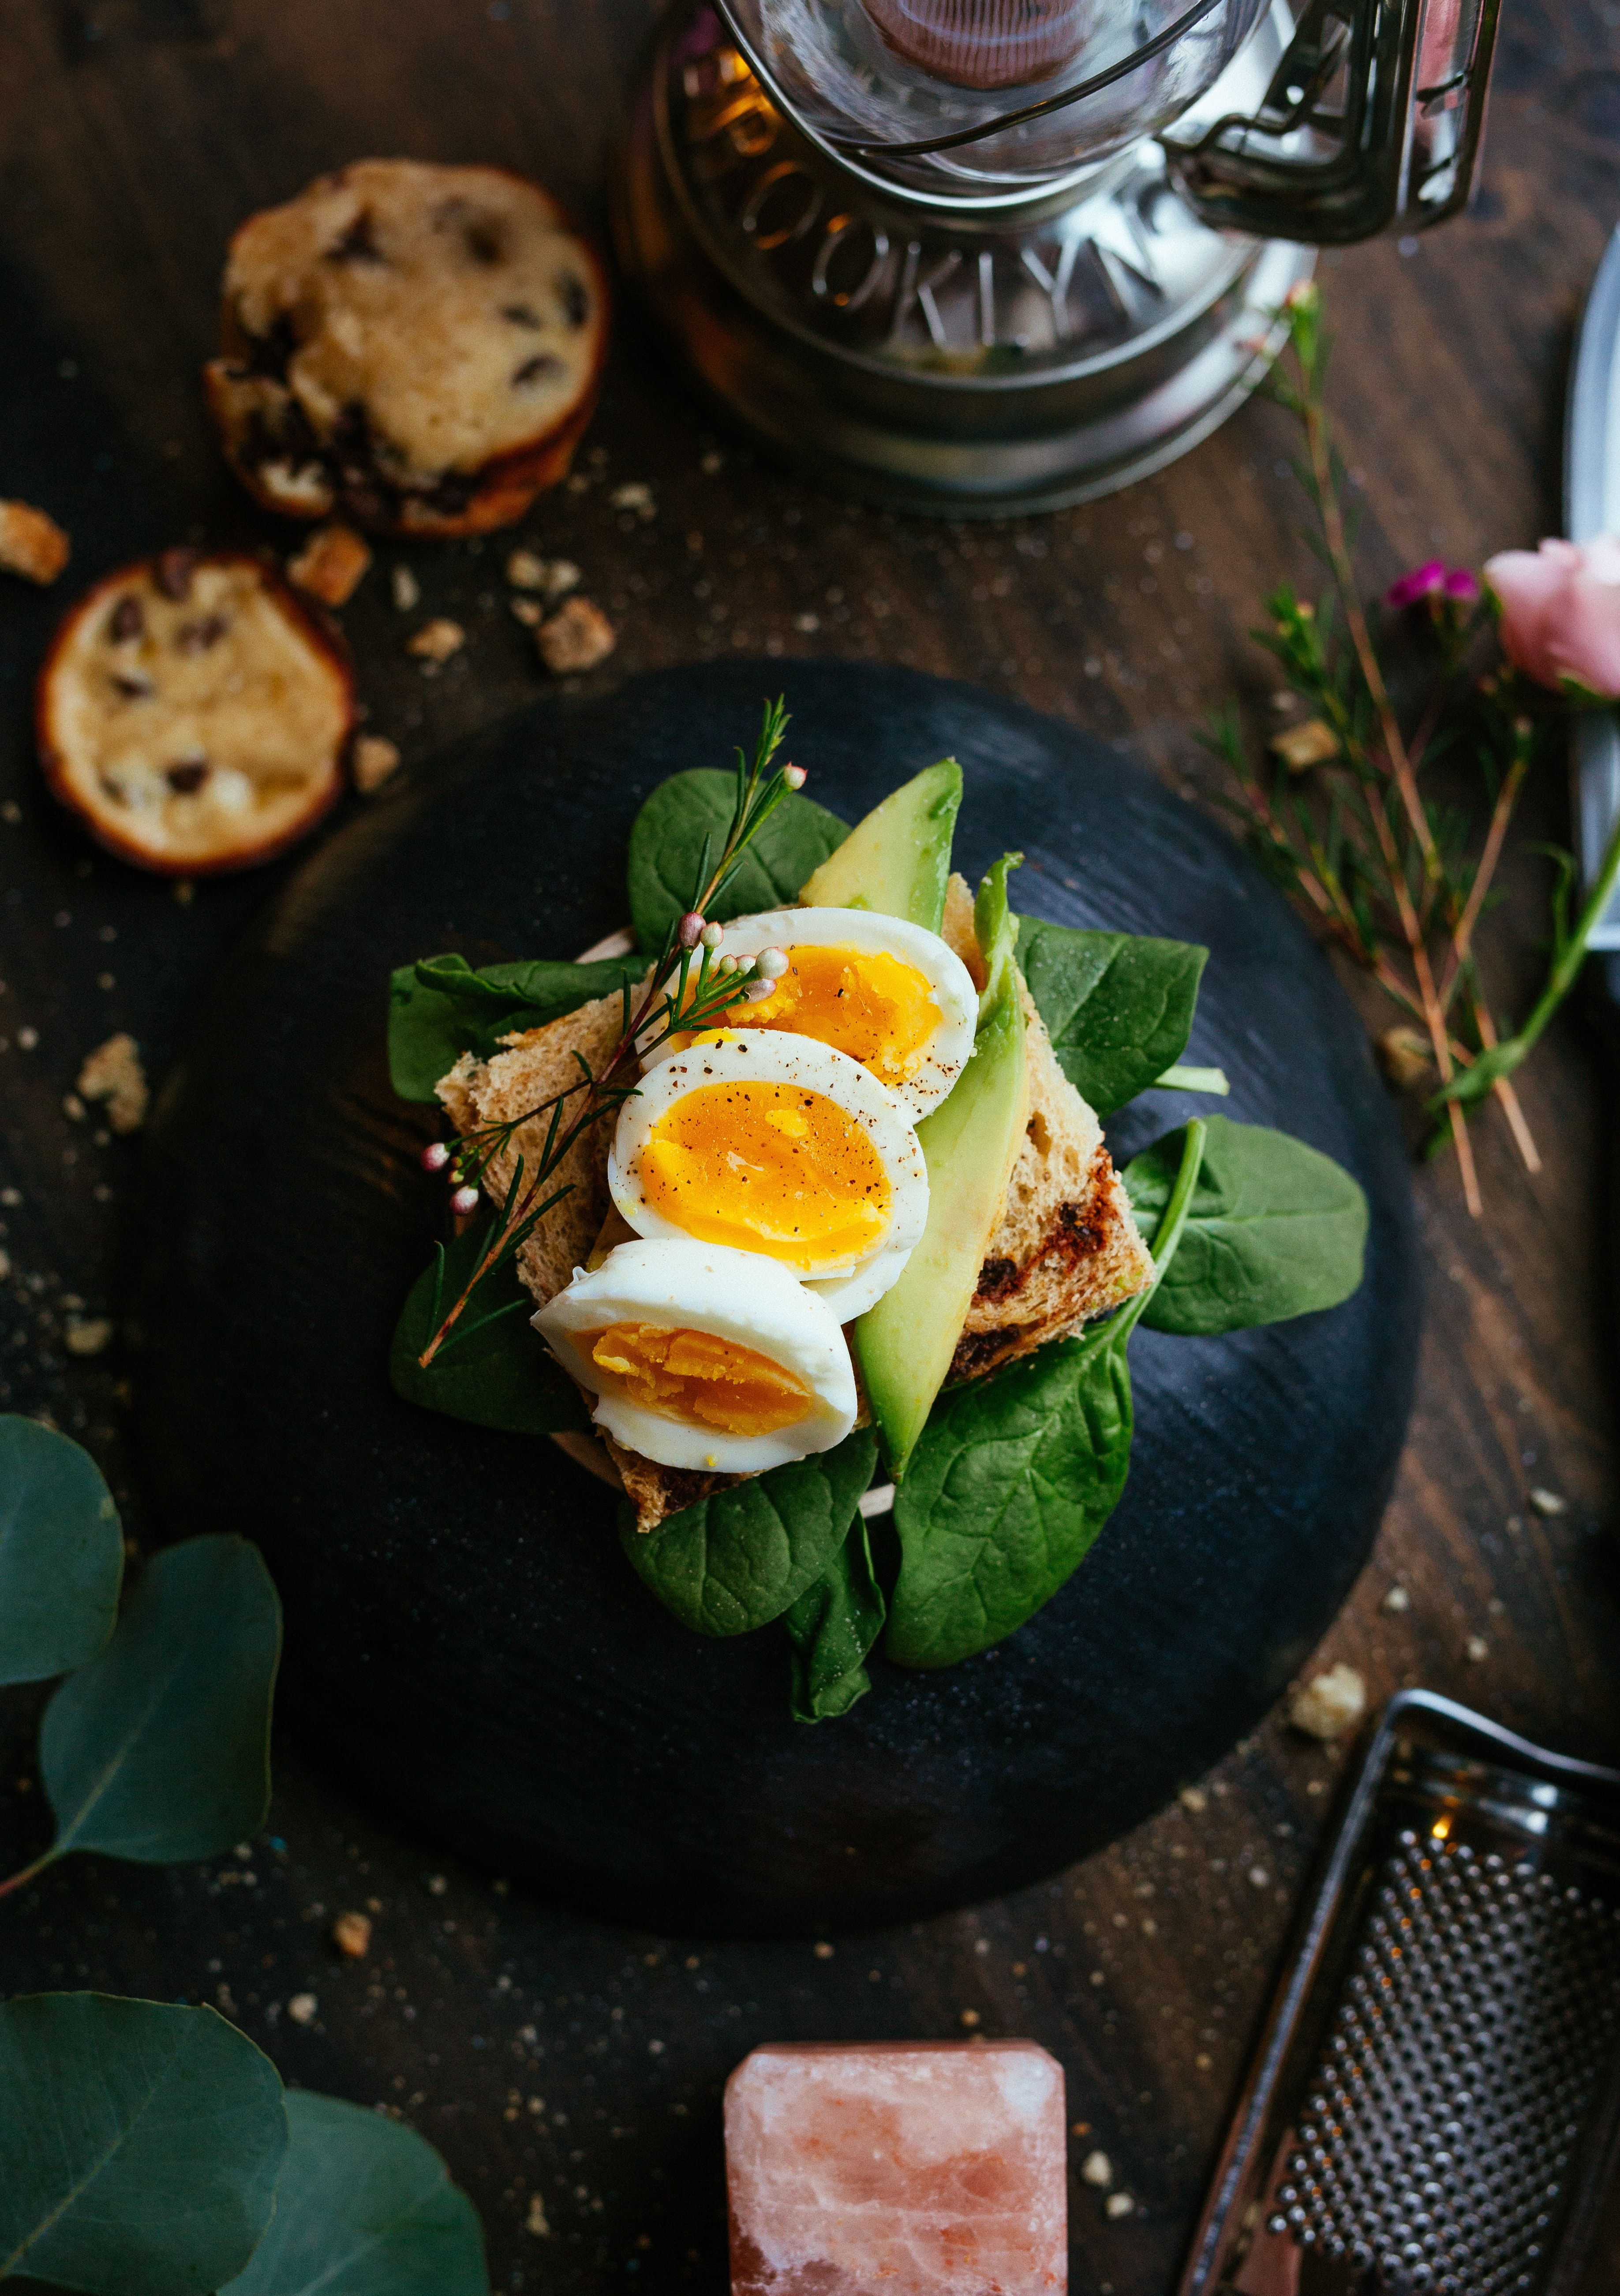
<point>1432,582</point>
<point>1560,612</point>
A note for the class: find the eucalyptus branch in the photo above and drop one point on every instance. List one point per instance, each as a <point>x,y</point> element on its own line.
<point>689,988</point>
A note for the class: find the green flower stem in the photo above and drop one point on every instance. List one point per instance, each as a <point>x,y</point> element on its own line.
<point>1169,1232</point>
<point>1501,1060</point>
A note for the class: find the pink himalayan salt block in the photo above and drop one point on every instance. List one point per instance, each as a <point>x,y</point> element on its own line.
<point>898,2168</point>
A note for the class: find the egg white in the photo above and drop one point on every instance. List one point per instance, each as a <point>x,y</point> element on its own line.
<point>735,1295</point>
<point>947,1050</point>
<point>773,1056</point>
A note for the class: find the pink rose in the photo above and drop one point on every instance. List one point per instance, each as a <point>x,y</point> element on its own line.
<point>1560,612</point>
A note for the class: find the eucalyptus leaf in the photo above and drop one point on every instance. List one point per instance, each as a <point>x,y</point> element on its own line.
<point>497,1373</point>
<point>1276,1229</point>
<point>738,1558</point>
<point>831,1627</point>
<point>1118,1008</point>
<point>365,2207</point>
<point>141,2145</point>
<point>159,1749</point>
<point>667,851</point>
<point>61,1553</point>
<point>440,1008</point>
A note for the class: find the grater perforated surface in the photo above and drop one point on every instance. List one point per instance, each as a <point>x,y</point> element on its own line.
<point>1478,2017</point>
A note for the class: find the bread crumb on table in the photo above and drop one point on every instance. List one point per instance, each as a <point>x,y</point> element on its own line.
<point>577,637</point>
<point>302,2008</point>
<point>112,1073</point>
<point>1333,1703</point>
<point>31,543</point>
<point>331,565</point>
<point>406,590</point>
<point>88,1335</point>
<point>437,641</point>
<point>351,1935</point>
<point>374,761</point>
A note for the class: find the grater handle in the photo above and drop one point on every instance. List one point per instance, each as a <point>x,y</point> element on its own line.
<point>1373,118</point>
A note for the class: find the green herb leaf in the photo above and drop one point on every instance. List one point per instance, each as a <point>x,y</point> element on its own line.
<point>142,2145</point>
<point>159,1749</point>
<point>1014,1479</point>
<point>1007,1487</point>
<point>497,1375</point>
<point>365,2207</point>
<point>442,1008</point>
<point>61,1553</point>
<point>667,851</point>
<point>1276,1230</point>
<point>737,1559</point>
<point>832,1626</point>
<point>1118,1008</point>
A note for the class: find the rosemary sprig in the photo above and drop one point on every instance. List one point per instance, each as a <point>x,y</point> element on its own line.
<point>690,987</point>
<point>1398,882</point>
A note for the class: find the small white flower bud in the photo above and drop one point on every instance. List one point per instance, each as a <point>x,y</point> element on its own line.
<point>794,776</point>
<point>464,1201</point>
<point>757,991</point>
<point>435,1156</point>
<point>712,935</point>
<point>770,963</point>
<point>690,930</point>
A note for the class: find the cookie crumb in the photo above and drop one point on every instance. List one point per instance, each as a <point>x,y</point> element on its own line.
<point>577,637</point>
<point>1118,2204</point>
<point>112,1073</point>
<point>375,761</point>
<point>405,589</point>
<point>88,1335</point>
<point>437,641</point>
<point>1097,2169</point>
<point>526,571</point>
<point>1333,1703</point>
<point>528,611</point>
<point>331,565</point>
<point>302,2008</point>
<point>635,497</point>
<point>351,1935</point>
<point>31,543</point>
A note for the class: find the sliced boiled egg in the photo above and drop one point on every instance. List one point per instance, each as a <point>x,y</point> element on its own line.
<point>706,1358</point>
<point>889,993</point>
<point>777,1146</point>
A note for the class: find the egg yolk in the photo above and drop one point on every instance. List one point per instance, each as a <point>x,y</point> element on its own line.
<point>862,1001</point>
<point>768,1168</point>
<point>698,1375</point>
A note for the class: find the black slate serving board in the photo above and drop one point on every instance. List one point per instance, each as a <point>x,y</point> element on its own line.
<point>466,1642</point>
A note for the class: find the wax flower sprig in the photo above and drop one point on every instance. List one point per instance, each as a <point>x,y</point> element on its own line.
<point>1339,814</point>
<point>691,986</point>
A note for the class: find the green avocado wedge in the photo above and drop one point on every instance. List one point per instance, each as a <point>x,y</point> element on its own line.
<point>897,860</point>
<point>905,1343</point>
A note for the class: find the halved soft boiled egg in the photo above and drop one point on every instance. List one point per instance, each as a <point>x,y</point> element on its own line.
<point>780,1147</point>
<point>889,993</point>
<point>704,1358</point>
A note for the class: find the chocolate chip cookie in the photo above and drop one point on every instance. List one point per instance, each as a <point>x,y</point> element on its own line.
<point>418,347</point>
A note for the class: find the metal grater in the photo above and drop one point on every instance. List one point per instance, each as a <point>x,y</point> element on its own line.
<point>1435,2105</point>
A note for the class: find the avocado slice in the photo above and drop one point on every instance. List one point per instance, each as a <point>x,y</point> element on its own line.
<point>897,860</point>
<point>971,1142</point>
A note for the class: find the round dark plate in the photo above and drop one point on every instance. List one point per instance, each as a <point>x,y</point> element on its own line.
<point>466,1642</point>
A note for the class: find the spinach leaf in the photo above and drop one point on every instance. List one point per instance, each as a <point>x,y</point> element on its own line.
<point>496,1371</point>
<point>667,851</point>
<point>142,2145</point>
<point>738,1560</point>
<point>1014,1478</point>
<point>365,2207</point>
<point>1276,1230</point>
<point>1118,1008</point>
<point>832,1626</point>
<point>159,1749</point>
<point>440,1008</point>
<point>61,1553</point>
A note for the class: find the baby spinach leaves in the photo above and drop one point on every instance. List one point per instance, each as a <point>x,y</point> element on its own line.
<point>831,1627</point>
<point>61,1553</point>
<point>1013,1479</point>
<point>1118,1008</point>
<point>440,1008</point>
<point>667,851</point>
<point>737,1559</point>
<point>142,2145</point>
<point>498,1373</point>
<point>1276,1229</point>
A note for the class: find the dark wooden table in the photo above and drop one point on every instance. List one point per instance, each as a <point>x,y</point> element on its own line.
<point>133,135</point>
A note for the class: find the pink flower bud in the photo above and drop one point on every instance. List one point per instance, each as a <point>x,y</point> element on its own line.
<point>435,1156</point>
<point>1560,612</point>
<point>690,930</point>
<point>794,776</point>
<point>464,1201</point>
<point>757,991</point>
<point>770,963</point>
